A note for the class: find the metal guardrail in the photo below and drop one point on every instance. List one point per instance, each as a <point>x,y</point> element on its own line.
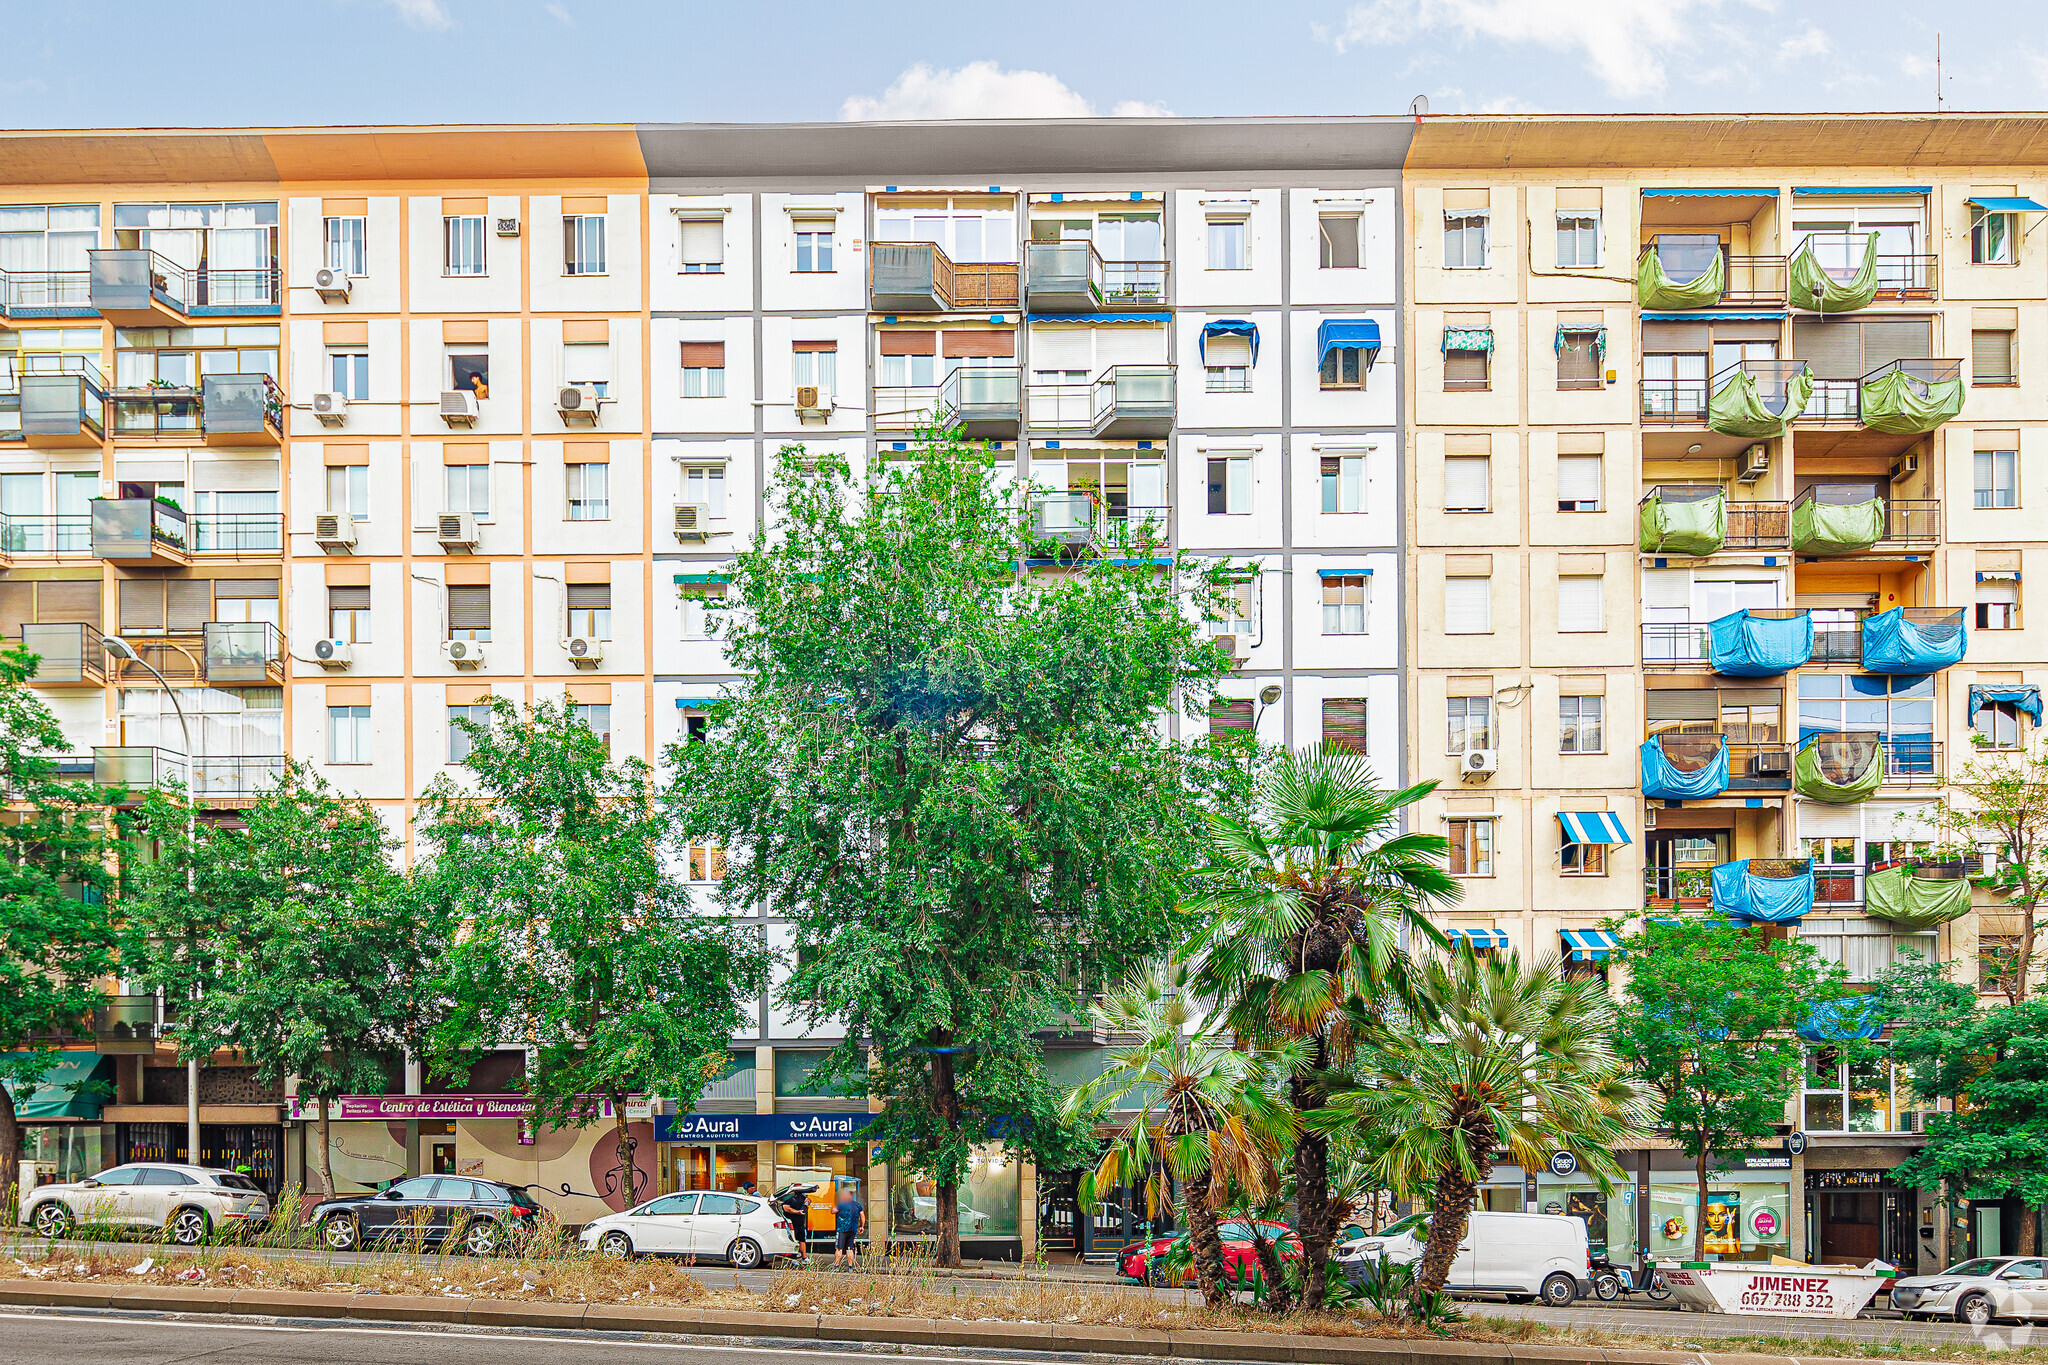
<point>1077,270</point>
<point>1674,402</point>
<point>45,293</point>
<point>40,534</point>
<point>237,532</point>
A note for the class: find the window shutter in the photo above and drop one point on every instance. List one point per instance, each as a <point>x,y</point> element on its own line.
<point>1990,357</point>
<point>245,587</point>
<point>908,342</point>
<point>1468,608</point>
<point>1660,338</point>
<point>1344,723</point>
<point>989,343</point>
<point>348,599</point>
<point>1889,339</point>
<point>1229,351</point>
<point>17,607</point>
<point>1576,361</point>
<point>1578,604</point>
<point>1579,478</point>
<point>1228,716</point>
<point>76,600</point>
<point>1833,349</point>
<point>469,608</point>
<point>1464,367</point>
<point>1465,483</point>
<point>703,241</point>
<point>1682,703</point>
<point>706,355</point>
<point>189,604</point>
<point>814,346</point>
<point>1667,589</point>
<point>589,595</point>
<point>142,605</point>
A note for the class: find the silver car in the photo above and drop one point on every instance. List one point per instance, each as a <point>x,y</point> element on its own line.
<point>186,1202</point>
<point>1977,1292</point>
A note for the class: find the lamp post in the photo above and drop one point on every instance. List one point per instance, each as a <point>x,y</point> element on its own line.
<point>120,649</point>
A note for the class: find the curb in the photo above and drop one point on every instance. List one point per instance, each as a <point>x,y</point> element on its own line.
<point>1059,1338</point>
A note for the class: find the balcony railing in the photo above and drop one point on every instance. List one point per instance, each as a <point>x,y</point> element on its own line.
<point>27,294</point>
<point>1674,402</point>
<point>982,400</point>
<point>1759,526</point>
<point>118,1019</point>
<point>1127,400</point>
<point>138,530</point>
<point>1909,278</point>
<point>241,409</point>
<point>1837,883</point>
<point>29,535</point>
<point>71,653</point>
<point>1082,519</point>
<point>1911,521</point>
<point>137,285</point>
<point>914,277</point>
<point>243,533</point>
<point>1839,642</point>
<point>1758,764</point>
<point>1675,644</point>
<point>160,410</point>
<point>65,406</point>
<point>1072,276</point>
<point>1934,387</point>
<point>1833,401</point>
<point>138,767</point>
<point>236,777</point>
<point>1911,761</point>
<point>1687,256</point>
<point>238,652</point>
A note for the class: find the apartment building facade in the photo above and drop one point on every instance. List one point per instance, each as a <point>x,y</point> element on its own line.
<point>1719,462</point>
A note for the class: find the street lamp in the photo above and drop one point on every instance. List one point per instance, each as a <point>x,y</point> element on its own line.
<point>120,649</point>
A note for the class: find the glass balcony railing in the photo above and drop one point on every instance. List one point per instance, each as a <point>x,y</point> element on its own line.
<point>138,286</point>
<point>241,409</point>
<point>31,535</point>
<point>138,767</point>
<point>238,652</point>
<point>66,406</point>
<point>1134,400</point>
<point>1073,277</point>
<point>982,401</point>
<point>68,653</point>
<point>138,530</point>
<point>918,277</point>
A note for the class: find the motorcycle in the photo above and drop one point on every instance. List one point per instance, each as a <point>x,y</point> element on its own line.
<point>1611,1282</point>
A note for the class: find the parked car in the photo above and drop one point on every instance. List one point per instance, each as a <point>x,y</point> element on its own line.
<point>188,1202</point>
<point>1522,1256</point>
<point>1145,1262</point>
<point>739,1229</point>
<point>479,1216</point>
<point>1977,1292</point>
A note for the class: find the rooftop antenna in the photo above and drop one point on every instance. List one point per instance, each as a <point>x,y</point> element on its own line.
<point>1937,74</point>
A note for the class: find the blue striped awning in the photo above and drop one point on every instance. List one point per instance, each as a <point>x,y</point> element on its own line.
<point>1688,192</point>
<point>1343,573</point>
<point>1592,827</point>
<point>1588,945</point>
<point>1482,940</point>
<point>1854,191</point>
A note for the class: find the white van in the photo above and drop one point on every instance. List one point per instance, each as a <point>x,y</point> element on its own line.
<point>1522,1255</point>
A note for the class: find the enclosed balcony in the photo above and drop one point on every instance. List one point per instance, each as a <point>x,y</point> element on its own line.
<point>137,287</point>
<point>1677,766</point>
<point>66,408</point>
<point>1764,890</point>
<point>1682,271</point>
<point>982,401</point>
<point>30,295</point>
<point>1917,896</point>
<point>1133,401</point>
<point>69,653</point>
<point>1072,277</point>
<point>140,531</point>
<point>238,653</point>
<point>918,277</point>
<point>241,410</point>
<point>1914,640</point>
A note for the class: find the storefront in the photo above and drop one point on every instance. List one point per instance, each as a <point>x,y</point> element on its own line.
<point>1857,1215</point>
<point>1748,1213</point>
<point>702,1151</point>
<point>991,1204</point>
<point>62,1137</point>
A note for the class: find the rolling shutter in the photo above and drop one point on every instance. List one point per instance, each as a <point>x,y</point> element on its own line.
<point>17,608</point>
<point>75,600</point>
<point>1682,703</point>
<point>899,342</point>
<point>142,606</point>
<point>590,595</point>
<point>1578,603</point>
<point>1889,339</point>
<point>1468,606</point>
<point>1578,478</point>
<point>1990,357</point>
<point>1061,348</point>
<point>1834,349</point>
<point>348,599</point>
<point>469,608</point>
<point>990,343</point>
<point>1465,367</point>
<point>1662,337</point>
<point>235,476</point>
<point>703,355</point>
<point>1344,723</point>
<point>1465,483</point>
<point>1230,716</point>
<point>703,241</point>
<point>190,604</point>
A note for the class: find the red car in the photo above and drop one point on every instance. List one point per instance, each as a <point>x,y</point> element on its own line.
<point>1145,1262</point>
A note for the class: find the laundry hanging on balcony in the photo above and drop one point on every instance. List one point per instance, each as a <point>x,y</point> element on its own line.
<point>1764,890</point>
<point>1912,902</point>
<point>1838,769</point>
<point>1348,334</point>
<point>1906,405</point>
<point>1744,645</point>
<point>1702,776</point>
<point>2024,698</point>
<point>1676,526</point>
<point>1825,528</point>
<point>1229,327</point>
<point>1894,644</point>
<point>1655,290</point>
<point>1738,408</point>
<point>1811,286</point>
<point>1839,1021</point>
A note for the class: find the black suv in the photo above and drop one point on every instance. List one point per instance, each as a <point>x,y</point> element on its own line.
<point>480,1216</point>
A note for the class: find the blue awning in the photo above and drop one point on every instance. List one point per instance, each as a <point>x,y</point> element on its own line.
<point>1347,334</point>
<point>1343,573</point>
<point>1592,827</point>
<point>74,1087</point>
<point>1097,317</point>
<point>2026,697</point>
<point>1837,1021</point>
<point>1688,193</point>
<point>1588,945</point>
<point>1482,940</point>
<point>2019,205</point>
<point>1229,327</point>
<point>1713,317</point>
<point>1851,191</point>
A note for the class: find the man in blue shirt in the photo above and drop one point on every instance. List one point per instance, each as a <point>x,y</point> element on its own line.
<point>850,1221</point>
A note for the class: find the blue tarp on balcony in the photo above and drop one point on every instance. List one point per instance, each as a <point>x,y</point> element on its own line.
<point>2025,697</point>
<point>1893,644</point>
<point>1742,894</point>
<point>1837,1021</point>
<point>1663,781</point>
<point>1746,646</point>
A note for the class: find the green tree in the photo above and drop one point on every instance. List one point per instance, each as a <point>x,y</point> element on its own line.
<point>2002,808</point>
<point>948,770</point>
<point>1196,1106</point>
<point>575,939</point>
<point>1708,1022</point>
<point>301,947</point>
<point>1502,1054</point>
<point>57,935</point>
<point>1307,898</point>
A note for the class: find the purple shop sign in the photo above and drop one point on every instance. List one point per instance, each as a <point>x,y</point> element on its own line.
<point>399,1108</point>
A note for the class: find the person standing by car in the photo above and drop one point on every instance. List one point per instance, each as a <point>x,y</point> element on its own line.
<point>850,1222</point>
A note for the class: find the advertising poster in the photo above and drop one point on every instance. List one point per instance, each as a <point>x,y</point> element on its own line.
<point>1724,1222</point>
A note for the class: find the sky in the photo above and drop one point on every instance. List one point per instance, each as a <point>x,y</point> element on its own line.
<point>197,63</point>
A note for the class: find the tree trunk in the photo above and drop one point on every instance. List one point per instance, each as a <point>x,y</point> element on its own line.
<point>1699,1213</point>
<point>1277,1297</point>
<point>1450,1215</point>
<point>326,1153</point>
<point>1312,1194</point>
<point>10,1158</point>
<point>1206,1243</point>
<point>2030,1229</point>
<point>623,1144</point>
<point>946,1100</point>
<point>946,1249</point>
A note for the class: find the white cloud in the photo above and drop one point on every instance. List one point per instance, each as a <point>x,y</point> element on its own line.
<point>423,14</point>
<point>568,19</point>
<point>982,90</point>
<point>1808,42</point>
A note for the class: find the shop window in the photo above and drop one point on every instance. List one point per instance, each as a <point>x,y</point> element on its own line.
<point>828,1168</point>
<point>991,1197</point>
<point>1747,1220</point>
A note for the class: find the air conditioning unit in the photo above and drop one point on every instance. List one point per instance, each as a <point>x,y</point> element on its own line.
<point>584,652</point>
<point>579,403</point>
<point>1905,468</point>
<point>1914,1120</point>
<point>1235,646</point>
<point>334,653</point>
<point>331,409</point>
<point>1771,763</point>
<point>810,399</point>
<point>463,653</point>
<point>458,408</point>
<point>693,521</point>
<point>456,531</point>
<point>334,531</point>
<point>1756,462</point>
<point>331,285</point>
<point>1478,765</point>
<point>508,227</point>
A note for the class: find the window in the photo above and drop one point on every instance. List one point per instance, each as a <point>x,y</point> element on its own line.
<point>1991,359</point>
<point>1998,604</point>
<point>1582,860</point>
<point>344,245</point>
<point>1579,725</point>
<point>1468,483</point>
<point>348,615</point>
<point>583,244</point>
<point>1232,716</point>
<point>702,607</point>
<point>1344,367</point>
<point>470,372</point>
<point>596,715</point>
<point>1579,604</point>
<point>705,484</point>
<point>590,492</point>
<point>348,734</point>
<point>1340,238</point>
<point>1227,362</point>
<point>1468,606</point>
<point>1992,236</point>
<point>1344,604</point>
<point>813,246</point>
<point>1230,485</point>
<point>1471,724</point>
<point>1465,240</point>
<point>1998,724</point>
<point>1471,847</point>
<point>1230,244</point>
<point>1467,369</point>
<point>468,489</point>
<point>45,248</point>
<point>1578,239</point>
<point>588,364</point>
<point>1344,724</point>
<point>1580,481</point>
<point>696,727</point>
<point>350,373</point>
<point>703,246</point>
<point>1900,710</point>
<point>590,610</point>
<point>460,740</point>
<point>817,363</point>
<point>469,612</point>
<point>348,490</point>
<point>1865,1084</point>
<point>703,369</point>
<point>1237,611</point>
<point>462,245</point>
<point>707,864</point>
<point>1343,483</point>
<point>1997,478</point>
<point>1578,359</point>
<point>1998,957</point>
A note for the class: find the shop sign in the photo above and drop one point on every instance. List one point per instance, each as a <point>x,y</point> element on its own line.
<point>398,1108</point>
<point>1824,1180</point>
<point>1746,1290</point>
<point>758,1127</point>
<point>1795,1143</point>
<point>1563,1164</point>
<point>1767,1163</point>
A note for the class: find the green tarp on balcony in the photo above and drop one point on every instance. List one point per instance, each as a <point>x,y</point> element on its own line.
<point>1840,771</point>
<point>1738,409</point>
<point>1821,528</point>
<point>1683,528</point>
<point>1914,902</point>
<point>1813,287</point>
<point>1905,406</point>
<point>1654,289</point>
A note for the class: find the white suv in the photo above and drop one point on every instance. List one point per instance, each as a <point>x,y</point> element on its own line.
<point>187,1202</point>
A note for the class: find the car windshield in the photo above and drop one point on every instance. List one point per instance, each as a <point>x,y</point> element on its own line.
<point>1985,1266</point>
<point>235,1181</point>
<point>1415,1225</point>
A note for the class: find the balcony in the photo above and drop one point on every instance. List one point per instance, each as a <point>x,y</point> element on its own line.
<point>162,409</point>
<point>1756,642</point>
<point>1757,399</point>
<point>1081,521</point>
<point>1839,641</point>
<point>26,295</point>
<point>1682,646</point>
<point>1125,401</point>
<point>917,277</point>
<point>1764,890</point>
<point>1910,397</point>
<point>64,409</point>
<point>140,531</point>
<point>241,410</point>
<point>1688,270</point>
<point>33,536</point>
<point>1683,766</point>
<point>1849,766</point>
<point>1841,272</point>
<point>236,653</point>
<point>1689,520</point>
<point>981,402</point>
<point>1914,640</point>
<point>139,768</point>
<point>119,1024</point>
<point>260,534</point>
<point>240,777</point>
<point>136,287</point>
<point>71,653</point>
<point>1071,277</point>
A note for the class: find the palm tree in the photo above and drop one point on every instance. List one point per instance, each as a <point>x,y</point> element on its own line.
<point>1308,900</point>
<point>1207,1113</point>
<point>1512,1056</point>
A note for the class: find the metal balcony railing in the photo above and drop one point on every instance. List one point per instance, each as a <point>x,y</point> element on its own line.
<point>1838,643</point>
<point>1674,402</point>
<point>1912,761</point>
<point>32,534</point>
<point>1837,883</point>
<point>236,777</point>
<point>1833,400</point>
<point>243,533</point>
<point>1675,644</point>
<point>26,294</point>
<point>1083,519</point>
<point>1909,278</point>
<point>119,1018</point>
<point>1911,520</point>
<point>243,652</point>
<point>159,410</point>
<point>132,281</point>
<point>1073,275</point>
<point>68,652</point>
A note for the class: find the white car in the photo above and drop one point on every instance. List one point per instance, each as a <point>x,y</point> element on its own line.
<point>1523,1256</point>
<point>739,1229</point>
<point>1977,1292</point>
<point>187,1202</point>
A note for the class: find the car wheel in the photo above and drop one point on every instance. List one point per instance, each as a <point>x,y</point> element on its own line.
<point>481,1237</point>
<point>52,1220</point>
<point>616,1245</point>
<point>1976,1310</point>
<point>745,1254</point>
<point>339,1232</point>
<point>189,1227</point>
<point>1560,1292</point>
